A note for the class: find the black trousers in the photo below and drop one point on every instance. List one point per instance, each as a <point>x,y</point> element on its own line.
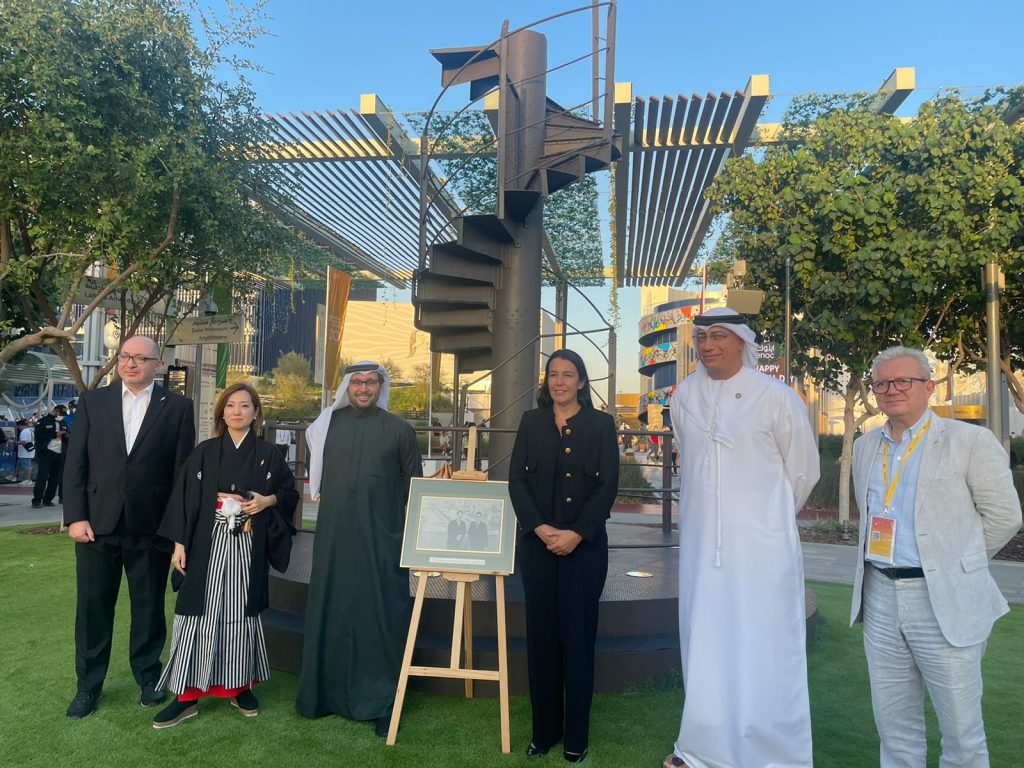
<point>145,560</point>
<point>48,475</point>
<point>562,597</point>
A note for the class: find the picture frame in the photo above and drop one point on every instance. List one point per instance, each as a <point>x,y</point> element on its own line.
<point>467,526</point>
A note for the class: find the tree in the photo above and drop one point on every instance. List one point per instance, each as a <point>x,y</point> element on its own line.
<point>123,152</point>
<point>292,393</point>
<point>293,364</point>
<point>993,206</point>
<point>885,223</point>
<point>414,396</point>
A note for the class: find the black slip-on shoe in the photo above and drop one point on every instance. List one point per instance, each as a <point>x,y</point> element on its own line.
<point>247,703</point>
<point>83,705</point>
<point>574,757</point>
<point>174,713</point>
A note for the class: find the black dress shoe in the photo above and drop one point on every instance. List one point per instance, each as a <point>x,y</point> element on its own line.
<point>575,757</point>
<point>535,751</point>
<point>49,504</point>
<point>36,504</point>
<point>83,705</point>
<point>381,725</point>
<point>151,697</point>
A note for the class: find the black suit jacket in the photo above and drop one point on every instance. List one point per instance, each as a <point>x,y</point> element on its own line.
<point>102,480</point>
<point>590,463</point>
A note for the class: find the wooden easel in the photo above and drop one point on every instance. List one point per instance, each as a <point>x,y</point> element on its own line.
<point>462,633</point>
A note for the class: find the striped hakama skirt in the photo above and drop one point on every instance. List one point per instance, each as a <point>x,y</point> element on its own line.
<point>223,647</point>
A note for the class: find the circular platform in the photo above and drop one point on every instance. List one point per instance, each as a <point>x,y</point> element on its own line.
<point>637,636</point>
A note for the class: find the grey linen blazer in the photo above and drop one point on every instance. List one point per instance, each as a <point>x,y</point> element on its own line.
<point>966,510</point>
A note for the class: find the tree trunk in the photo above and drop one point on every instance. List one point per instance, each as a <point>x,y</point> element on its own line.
<point>1015,385</point>
<point>846,459</point>
<point>6,249</point>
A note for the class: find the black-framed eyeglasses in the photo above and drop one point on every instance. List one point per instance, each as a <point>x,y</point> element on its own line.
<point>124,357</point>
<point>902,384</point>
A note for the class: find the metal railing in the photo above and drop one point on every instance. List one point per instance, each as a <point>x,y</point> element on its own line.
<point>655,466</point>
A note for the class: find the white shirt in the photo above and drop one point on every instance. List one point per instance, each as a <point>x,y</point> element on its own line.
<point>25,437</point>
<point>133,411</point>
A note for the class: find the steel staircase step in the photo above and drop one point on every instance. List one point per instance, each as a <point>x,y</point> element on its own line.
<point>436,319</point>
<point>433,289</point>
<point>472,362</point>
<point>460,341</point>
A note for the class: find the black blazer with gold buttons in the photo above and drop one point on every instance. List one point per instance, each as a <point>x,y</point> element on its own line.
<point>590,466</point>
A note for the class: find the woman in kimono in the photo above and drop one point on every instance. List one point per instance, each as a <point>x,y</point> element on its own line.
<point>562,479</point>
<point>229,516</point>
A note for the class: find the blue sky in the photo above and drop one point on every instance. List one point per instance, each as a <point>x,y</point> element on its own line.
<point>324,54</point>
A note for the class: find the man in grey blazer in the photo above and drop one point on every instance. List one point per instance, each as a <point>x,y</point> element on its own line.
<point>937,501</point>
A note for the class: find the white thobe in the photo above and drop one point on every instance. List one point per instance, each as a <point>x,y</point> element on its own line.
<point>747,465</point>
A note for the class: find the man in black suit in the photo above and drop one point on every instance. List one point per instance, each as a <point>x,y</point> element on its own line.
<point>129,441</point>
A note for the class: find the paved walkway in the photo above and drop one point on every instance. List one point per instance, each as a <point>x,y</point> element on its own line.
<point>822,562</point>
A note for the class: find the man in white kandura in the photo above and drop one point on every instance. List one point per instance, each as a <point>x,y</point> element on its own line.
<point>748,463</point>
<point>937,501</point>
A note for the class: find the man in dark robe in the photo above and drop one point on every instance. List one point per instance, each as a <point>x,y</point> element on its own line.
<point>362,459</point>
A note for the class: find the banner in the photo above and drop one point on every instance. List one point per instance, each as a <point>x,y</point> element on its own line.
<point>338,285</point>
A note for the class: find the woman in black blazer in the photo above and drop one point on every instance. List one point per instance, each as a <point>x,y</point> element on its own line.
<point>563,479</point>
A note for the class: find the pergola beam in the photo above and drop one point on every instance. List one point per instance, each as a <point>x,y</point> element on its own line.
<point>894,91</point>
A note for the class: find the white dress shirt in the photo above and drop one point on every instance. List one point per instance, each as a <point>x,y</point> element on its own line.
<point>133,411</point>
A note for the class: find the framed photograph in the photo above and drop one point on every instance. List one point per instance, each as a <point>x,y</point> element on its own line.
<point>459,525</point>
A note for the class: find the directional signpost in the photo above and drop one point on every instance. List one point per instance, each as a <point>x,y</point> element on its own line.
<point>206,329</point>
<point>211,329</point>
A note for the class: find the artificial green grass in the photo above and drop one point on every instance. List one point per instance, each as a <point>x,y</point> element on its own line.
<point>37,601</point>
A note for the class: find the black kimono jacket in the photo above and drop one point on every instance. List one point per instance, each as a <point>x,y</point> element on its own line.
<point>190,515</point>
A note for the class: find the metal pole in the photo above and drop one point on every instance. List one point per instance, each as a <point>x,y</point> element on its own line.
<point>197,391</point>
<point>517,300</point>
<point>561,312</point>
<point>430,403</point>
<point>595,63</point>
<point>991,277</point>
<point>612,399</point>
<point>666,481</point>
<point>788,318</point>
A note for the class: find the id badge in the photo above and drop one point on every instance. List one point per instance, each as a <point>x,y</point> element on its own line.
<point>881,539</point>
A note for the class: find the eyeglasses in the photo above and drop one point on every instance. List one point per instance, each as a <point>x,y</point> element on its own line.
<point>124,357</point>
<point>369,383</point>
<point>902,384</point>
<point>717,337</point>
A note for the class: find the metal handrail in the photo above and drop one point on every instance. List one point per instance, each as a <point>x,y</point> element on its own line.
<point>425,145</point>
<point>668,491</point>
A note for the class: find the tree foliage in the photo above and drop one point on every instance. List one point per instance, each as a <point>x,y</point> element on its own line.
<point>887,224</point>
<point>124,151</point>
<point>291,393</point>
